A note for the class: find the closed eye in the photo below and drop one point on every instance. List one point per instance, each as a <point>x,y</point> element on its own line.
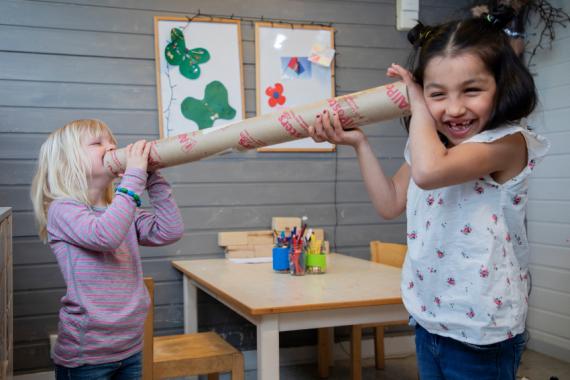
<point>436,94</point>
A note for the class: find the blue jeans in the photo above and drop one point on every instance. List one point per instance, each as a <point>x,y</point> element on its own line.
<point>126,369</point>
<point>445,358</point>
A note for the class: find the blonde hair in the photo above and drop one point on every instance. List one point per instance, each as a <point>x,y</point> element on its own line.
<point>63,168</point>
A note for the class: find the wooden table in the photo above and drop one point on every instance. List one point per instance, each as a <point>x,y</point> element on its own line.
<point>353,291</point>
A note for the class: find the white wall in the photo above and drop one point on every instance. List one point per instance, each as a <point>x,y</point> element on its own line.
<point>549,202</point>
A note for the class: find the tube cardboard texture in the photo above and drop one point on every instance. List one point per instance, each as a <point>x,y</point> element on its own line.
<point>357,109</point>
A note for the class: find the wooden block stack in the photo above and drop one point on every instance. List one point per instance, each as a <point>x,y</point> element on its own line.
<point>246,244</point>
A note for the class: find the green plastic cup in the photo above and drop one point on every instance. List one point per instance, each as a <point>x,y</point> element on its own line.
<point>316,263</point>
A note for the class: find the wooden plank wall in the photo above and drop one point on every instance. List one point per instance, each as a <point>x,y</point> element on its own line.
<point>67,59</point>
<point>549,202</point>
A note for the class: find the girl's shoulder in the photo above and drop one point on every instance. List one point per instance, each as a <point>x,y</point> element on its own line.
<point>66,205</point>
<point>536,144</point>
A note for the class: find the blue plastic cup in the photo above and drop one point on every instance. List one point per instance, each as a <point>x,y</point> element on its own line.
<point>281,259</point>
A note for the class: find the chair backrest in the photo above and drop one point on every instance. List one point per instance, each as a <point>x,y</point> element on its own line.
<point>392,254</point>
<point>148,354</point>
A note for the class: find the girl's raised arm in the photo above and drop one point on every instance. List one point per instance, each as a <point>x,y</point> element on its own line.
<point>388,195</point>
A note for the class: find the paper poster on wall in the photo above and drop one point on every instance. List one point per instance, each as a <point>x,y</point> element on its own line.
<point>288,75</point>
<point>198,73</point>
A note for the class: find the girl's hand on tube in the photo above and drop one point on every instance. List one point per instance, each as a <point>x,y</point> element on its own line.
<point>137,155</point>
<point>415,91</point>
<point>325,130</point>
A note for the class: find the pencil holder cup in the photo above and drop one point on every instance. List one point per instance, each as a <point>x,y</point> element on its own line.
<point>297,263</point>
<point>281,259</point>
<point>317,263</point>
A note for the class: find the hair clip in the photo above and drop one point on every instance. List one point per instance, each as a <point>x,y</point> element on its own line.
<point>424,36</point>
<point>490,18</point>
<point>511,33</point>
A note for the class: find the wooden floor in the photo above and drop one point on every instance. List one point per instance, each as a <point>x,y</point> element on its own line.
<point>534,366</point>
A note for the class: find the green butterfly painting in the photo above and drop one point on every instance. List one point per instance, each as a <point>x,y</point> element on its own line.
<point>214,106</point>
<point>188,60</point>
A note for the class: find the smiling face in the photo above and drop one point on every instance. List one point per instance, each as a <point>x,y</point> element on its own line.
<point>460,94</point>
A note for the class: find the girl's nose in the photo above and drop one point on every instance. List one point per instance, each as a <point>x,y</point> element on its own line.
<point>110,147</point>
<point>455,108</point>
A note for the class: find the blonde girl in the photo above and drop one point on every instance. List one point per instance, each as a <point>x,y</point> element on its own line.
<point>95,233</point>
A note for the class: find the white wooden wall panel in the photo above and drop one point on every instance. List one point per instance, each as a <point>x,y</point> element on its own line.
<point>549,203</point>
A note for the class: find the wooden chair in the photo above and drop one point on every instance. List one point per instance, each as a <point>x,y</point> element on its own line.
<point>389,254</point>
<point>187,354</point>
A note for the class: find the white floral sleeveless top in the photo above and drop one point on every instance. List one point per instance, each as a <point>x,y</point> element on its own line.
<point>465,275</point>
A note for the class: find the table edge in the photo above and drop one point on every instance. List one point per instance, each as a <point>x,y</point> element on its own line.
<point>279,310</point>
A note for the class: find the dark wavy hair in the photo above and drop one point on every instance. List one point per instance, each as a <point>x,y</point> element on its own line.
<point>516,95</point>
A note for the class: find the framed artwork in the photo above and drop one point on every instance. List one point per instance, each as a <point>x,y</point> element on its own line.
<point>288,75</point>
<point>199,75</point>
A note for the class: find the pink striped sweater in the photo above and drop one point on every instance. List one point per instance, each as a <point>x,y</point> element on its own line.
<point>103,311</point>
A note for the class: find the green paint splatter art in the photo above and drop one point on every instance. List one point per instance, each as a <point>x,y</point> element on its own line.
<point>188,60</point>
<point>214,106</point>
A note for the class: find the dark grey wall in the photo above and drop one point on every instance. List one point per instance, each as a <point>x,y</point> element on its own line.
<point>67,59</point>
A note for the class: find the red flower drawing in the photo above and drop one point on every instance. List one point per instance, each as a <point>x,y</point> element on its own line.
<point>275,95</point>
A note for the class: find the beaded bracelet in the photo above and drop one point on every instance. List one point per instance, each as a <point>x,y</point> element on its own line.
<point>132,194</point>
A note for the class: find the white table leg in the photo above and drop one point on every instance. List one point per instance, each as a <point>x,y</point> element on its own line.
<point>190,297</point>
<point>268,348</point>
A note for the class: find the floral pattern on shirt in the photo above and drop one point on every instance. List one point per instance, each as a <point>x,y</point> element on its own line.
<point>466,272</point>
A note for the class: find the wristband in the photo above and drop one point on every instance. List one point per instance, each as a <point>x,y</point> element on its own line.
<point>130,193</point>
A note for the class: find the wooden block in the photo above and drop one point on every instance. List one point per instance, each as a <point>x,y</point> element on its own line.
<point>279,223</point>
<point>265,239</point>
<point>232,238</point>
<point>239,254</point>
<point>240,247</point>
<point>319,233</point>
<point>243,237</point>
<point>263,250</point>
<point>260,233</point>
<point>327,247</point>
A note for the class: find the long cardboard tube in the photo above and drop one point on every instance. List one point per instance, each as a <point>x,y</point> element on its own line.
<point>357,109</point>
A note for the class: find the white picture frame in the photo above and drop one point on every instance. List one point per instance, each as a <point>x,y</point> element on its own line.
<point>277,46</point>
<point>183,102</point>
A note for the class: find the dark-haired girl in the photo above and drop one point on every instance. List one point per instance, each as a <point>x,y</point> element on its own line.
<point>464,186</point>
